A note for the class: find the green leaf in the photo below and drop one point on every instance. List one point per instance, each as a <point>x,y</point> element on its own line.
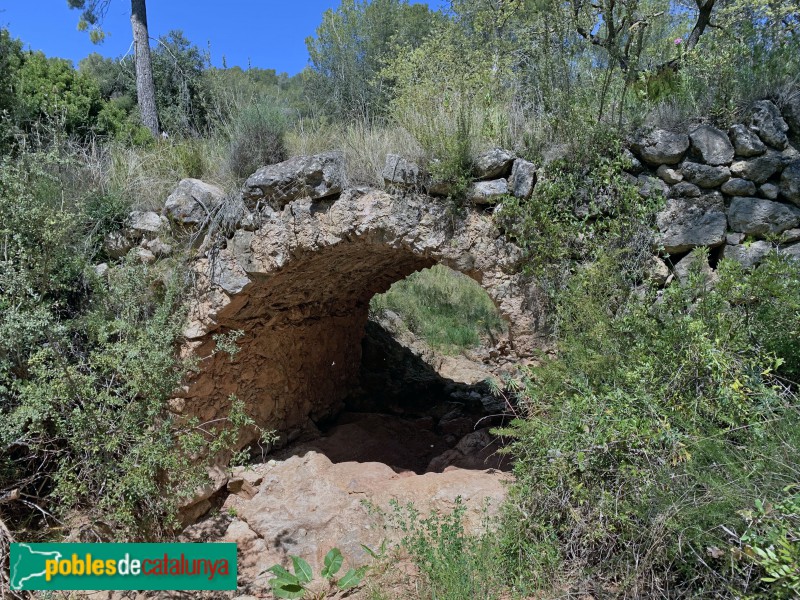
<point>302,569</point>
<point>352,578</point>
<point>333,562</point>
<point>283,576</point>
<point>290,590</point>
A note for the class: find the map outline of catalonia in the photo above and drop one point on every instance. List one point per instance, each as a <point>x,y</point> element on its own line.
<point>15,582</point>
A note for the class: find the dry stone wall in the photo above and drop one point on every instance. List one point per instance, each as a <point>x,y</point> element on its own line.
<point>736,192</point>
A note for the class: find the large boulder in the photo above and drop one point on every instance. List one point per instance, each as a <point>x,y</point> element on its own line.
<point>314,177</point>
<point>192,201</point>
<point>522,178</point>
<point>705,176</point>
<point>492,163</point>
<point>791,114</point>
<point>755,216</point>
<point>661,147</point>
<point>684,189</point>
<point>711,145</point>
<point>144,224</point>
<point>745,142</point>
<point>402,173</point>
<point>695,261</point>
<point>685,224</point>
<point>748,255</point>
<point>766,121</point>
<point>487,192</point>
<point>790,183</point>
<point>738,187</point>
<point>760,169</point>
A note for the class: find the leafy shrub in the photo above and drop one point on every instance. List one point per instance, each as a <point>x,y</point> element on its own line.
<point>655,425</point>
<point>580,210</point>
<point>454,564</point>
<point>257,138</point>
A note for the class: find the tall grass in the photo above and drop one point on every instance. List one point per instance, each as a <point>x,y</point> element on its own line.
<point>450,311</point>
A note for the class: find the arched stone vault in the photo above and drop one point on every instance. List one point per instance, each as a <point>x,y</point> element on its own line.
<point>299,284</point>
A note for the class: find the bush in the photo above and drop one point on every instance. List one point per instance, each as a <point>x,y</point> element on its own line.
<point>257,138</point>
<point>654,427</point>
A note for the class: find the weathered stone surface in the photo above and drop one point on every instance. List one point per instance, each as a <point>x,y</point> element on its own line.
<point>192,202</point>
<point>635,166</point>
<point>403,173</point>
<point>735,238</point>
<point>790,236</point>
<point>522,178</point>
<point>755,216</point>
<point>791,114</point>
<point>791,251</point>
<point>685,224</point>
<point>144,255</point>
<point>769,191</point>
<point>704,176</point>
<point>790,183</point>
<point>684,189</point>
<point>493,163</point>
<point>669,175</point>
<point>313,177</point>
<point>711,145</point>
<point>144,223</point>
<point>117,244</point>
<point>748,255</point>
<point>656,271</point>
<point>745,142</point>
<point>661,147</point>
<point>738,187</point>
<point>758,170</point>
<point>695,261</point>
<point>652,186</point>
<point>487,192</point>
<point>158,247</point>
<point>766,121</point>
<point>307,496</point>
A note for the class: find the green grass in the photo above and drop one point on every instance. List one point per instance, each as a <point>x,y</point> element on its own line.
<point>450,311</point>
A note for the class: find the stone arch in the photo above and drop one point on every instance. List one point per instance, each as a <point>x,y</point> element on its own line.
<point>299,284</point>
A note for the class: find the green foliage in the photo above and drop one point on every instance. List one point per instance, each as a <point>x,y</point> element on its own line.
<point>578,211</point>
<point>447,309</point>
<point>286,584</point>
<point>350,47</point>
<point>257,138</point>
<point>455,565</point>
<point>49,89</point>
<point>87,365</point>
<point>772,541</point>
<point>654,427</point>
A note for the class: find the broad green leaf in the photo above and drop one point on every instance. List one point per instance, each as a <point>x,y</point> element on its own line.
<point>352,578</point>
<point>333,562</point>
<point>283,576</point>
<point>302,569</point>
<point>290,590</point>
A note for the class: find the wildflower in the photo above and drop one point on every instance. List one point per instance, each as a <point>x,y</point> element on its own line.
<point>678,41</point>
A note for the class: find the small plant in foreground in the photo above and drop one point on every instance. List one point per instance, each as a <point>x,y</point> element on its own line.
<point>295,585</point>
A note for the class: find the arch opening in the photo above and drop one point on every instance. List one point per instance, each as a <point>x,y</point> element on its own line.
<point>312,365</point>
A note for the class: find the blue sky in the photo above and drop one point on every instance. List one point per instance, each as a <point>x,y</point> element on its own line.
<point>263,33</point>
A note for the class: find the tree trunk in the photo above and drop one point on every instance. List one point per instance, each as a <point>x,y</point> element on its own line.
<point>145,89</point>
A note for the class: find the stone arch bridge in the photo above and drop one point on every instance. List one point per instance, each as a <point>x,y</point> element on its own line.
<point>296,278</point>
